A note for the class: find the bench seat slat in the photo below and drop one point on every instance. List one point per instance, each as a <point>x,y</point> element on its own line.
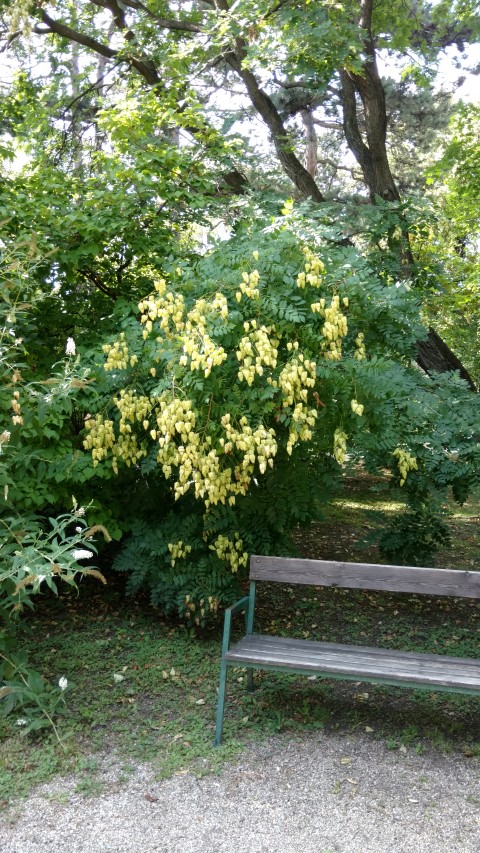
<point>285,644</point>
<point>311,656</point>
<point>412,579</point>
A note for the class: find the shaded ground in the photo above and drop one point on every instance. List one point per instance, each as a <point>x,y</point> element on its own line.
<point>363,505</point>
<point>162,708</point>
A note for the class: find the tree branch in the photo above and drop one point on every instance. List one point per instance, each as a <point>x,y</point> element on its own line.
<point>64,31</point>
<point>95,87</point>
<point>165,23</point>
<point>326,161</point>
<point>330,125</point>
<point>94,279</point>
<point>145,67</point>
<point>312,143</point>
<point>270,115</point>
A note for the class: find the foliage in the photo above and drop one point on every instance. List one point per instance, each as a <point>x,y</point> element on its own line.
<point>32,556</point>
<point>413,537</point>
<point>453,302</point>
<point>246,379</point>
<point>35,555</point>
<point>127,181</point>
<point>33,559</point>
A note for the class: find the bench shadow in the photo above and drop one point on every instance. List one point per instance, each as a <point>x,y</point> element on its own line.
<point>402,717</point>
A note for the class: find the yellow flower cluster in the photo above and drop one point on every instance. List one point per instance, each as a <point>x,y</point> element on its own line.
<point>258,445</point>
<point>360,352</point>
<point>219,303</point>
<point>230,552</point>
<point>174,417</point>
<point>212,604</point>
<point>117,355</point>
<point>198,345</point>
<point>204,354</point>
<point>132,408</point>
<point>256,350</point>
<point>357,407</point>
<point>296,378</point>
<point>313,271</point>
<point>100,438</point>
<point>199,463</point>
<point>294,381</point>
<point>340,445</point>
<point>249,286</point>
<point>304,419</point>
<point>17,417</point>
<point>178,550</point>
<point>166,308</point>
<point>335,327</point>
<point>406,463</point>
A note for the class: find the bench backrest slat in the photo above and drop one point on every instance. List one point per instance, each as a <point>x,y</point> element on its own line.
<point>366,576</point>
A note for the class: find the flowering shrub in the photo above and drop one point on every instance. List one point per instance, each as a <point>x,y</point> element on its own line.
<point>245,383</point>
<point>203,347</point>
<point>36,554</point>
<point>32,559</point>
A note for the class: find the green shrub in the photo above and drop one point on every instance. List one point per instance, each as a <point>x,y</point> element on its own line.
<point>413,537</point>
<point>237,393</point>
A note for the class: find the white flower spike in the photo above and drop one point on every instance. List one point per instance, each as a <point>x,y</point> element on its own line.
<point>81,554</point>
<point>70,348</point>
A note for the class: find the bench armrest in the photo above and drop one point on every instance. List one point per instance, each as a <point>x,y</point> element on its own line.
<point>238,607</point>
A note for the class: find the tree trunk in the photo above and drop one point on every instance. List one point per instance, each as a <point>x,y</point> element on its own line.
<point>434,356</point>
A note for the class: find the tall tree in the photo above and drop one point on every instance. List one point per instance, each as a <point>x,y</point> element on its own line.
<point>292,58</point>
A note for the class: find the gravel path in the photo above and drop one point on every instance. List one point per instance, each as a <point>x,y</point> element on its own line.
<point>320,794</point>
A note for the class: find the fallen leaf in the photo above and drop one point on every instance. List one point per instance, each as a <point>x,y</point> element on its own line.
<point>151,798</point>
<point>345,761</point>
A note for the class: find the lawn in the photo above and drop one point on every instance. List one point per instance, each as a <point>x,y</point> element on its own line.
<point>142,689</point>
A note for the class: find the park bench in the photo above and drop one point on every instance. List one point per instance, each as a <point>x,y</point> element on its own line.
<point>347,662</point>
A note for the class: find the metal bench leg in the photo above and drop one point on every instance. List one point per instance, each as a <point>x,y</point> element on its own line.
<point>250,686</point>
<point>221,704</point>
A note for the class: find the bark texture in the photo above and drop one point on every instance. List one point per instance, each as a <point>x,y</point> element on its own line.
<point>434,356</point>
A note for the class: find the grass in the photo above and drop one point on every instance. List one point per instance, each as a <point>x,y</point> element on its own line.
<point>160,707</point>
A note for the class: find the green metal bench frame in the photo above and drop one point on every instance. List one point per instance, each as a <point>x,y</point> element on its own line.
<point>353,663</point>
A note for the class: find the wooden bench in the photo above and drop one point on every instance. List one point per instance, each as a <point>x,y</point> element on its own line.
<point>354,663</point>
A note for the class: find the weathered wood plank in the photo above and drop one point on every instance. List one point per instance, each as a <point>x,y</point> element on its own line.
<point>310,656</point>
<point>286,644</point>
<point>423,581</point>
